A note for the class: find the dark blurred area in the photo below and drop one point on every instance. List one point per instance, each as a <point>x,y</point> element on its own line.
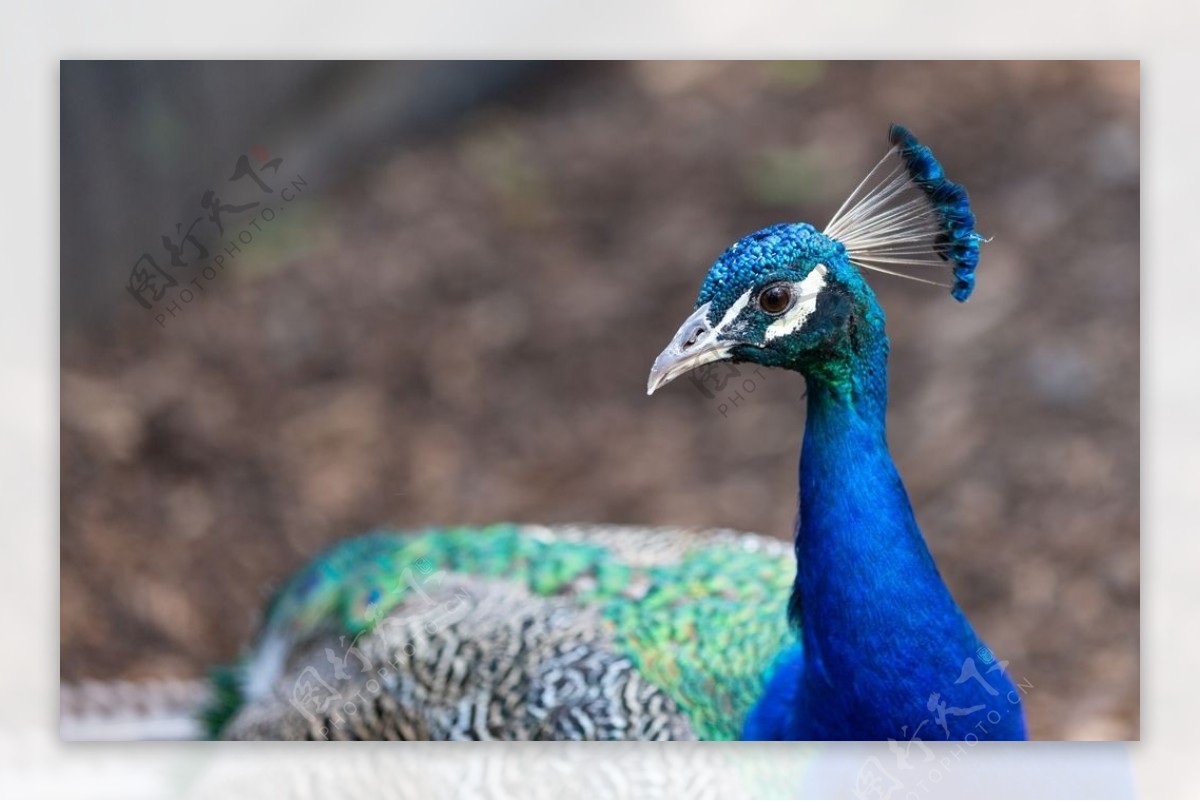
<point>452,320</point>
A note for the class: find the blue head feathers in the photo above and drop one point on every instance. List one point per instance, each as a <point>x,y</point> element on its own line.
<point>910,217</point>
<point>782,250</point>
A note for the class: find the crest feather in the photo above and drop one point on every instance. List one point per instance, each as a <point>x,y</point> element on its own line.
<point>910,218</point>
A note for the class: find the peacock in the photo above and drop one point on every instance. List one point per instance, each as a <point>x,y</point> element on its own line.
<point>581,632</point>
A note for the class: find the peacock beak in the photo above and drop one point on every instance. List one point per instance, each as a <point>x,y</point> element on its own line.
<point>695,343</point>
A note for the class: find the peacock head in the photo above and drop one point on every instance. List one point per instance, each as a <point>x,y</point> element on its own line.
<point>794,297</point>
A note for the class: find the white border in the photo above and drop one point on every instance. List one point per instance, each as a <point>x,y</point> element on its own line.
<point>33,36</point>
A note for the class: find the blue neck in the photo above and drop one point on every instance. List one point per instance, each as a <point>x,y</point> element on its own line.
<point>880,631</point>
<point>866,583</point>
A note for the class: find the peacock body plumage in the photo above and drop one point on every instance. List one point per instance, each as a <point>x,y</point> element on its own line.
<point>585,632</point>
<point>516,632</point>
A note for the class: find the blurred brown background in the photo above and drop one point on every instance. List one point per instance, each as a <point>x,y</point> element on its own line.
<point>453,322</point>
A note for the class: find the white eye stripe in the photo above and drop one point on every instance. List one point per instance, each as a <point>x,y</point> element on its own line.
<point>806,292</point>
<point>732,313</point>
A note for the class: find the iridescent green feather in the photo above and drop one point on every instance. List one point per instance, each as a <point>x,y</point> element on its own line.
<point>703,624</point>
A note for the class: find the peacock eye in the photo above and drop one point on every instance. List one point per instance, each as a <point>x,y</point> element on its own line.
<point>775,298</point>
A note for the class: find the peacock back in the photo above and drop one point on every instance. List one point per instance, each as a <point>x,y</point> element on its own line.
<point>516,632</point>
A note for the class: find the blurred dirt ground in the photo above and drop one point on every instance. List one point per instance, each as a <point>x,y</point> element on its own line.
<point>463,335</point>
